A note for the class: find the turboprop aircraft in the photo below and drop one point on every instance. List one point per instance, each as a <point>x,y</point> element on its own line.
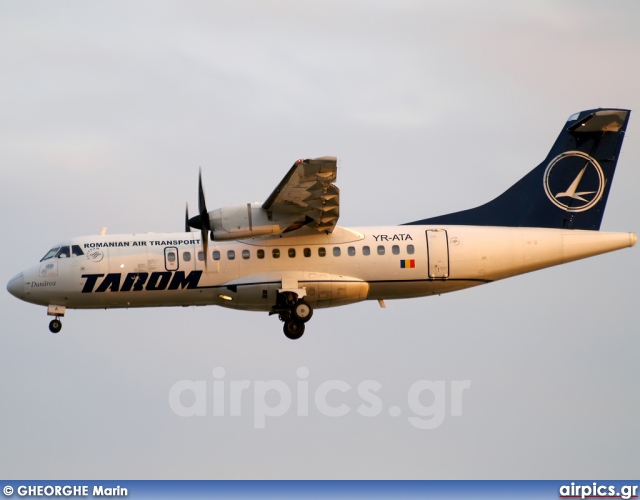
<point>287,256</point>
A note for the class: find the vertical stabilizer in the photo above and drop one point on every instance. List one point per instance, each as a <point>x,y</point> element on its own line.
<point>569,189</point>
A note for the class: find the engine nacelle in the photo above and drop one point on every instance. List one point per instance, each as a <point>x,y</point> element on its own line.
<point>243,221</point>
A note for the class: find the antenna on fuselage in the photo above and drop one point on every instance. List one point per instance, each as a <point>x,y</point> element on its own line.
<point>103,231</point>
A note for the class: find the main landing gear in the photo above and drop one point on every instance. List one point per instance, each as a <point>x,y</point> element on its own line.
<point>294,313</point>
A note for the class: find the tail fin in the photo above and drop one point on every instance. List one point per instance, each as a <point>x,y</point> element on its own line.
<point>569,189</point>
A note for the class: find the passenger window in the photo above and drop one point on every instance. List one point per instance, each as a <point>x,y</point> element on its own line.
<point>336,251</point>
<point>171,257</point>
<point>246,254</point>
<point>76,251</point>
<point>186,256</point>
<point>200,255</point>
<point>231,254</point>
<point>395,249</point>
<point>380,249</point>
<point>292,252</point>
<point>51,253</point>
<point>276,253</point>
<point>307,252</point>
<point>63,253</point>
<point>260,254</point>
<point>216,255</point>
<point>366,250</point>
<point>351,251</point>
<point>410,249</point>
<point>322,252</point>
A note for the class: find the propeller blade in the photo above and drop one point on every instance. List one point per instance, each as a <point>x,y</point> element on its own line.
<point>205,225</point>
<point>187,227</point>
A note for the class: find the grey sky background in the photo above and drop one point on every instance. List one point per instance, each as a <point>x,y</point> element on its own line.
<point>109,108</point>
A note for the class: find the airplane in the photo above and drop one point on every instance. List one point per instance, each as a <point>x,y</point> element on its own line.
<point>288,256</point>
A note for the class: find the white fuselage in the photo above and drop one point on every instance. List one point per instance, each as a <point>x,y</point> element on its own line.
<point>346,266</point>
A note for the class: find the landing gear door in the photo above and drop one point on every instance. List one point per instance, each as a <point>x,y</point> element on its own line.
<point>438,253</point>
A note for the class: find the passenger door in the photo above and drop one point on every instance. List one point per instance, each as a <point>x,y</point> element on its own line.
<point>438,253</point>
<point>171,259</point>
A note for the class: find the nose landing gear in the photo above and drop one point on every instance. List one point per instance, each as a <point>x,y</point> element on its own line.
<point>55,326</point>
<point>57,311</point>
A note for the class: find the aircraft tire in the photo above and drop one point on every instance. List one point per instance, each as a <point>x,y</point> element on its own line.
<point>293,329</point>
<point>302,311</point>
<point>55,326</point>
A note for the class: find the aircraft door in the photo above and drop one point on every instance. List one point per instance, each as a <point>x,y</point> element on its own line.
<point>171,259</point>
<point>438,253</point>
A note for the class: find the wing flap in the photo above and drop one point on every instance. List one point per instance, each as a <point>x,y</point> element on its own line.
<point>307,192</point>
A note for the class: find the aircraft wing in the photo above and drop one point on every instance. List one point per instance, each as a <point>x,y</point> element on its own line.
<point>307,195</point>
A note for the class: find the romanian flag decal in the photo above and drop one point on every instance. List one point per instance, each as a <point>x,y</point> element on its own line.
<point>407,264</point>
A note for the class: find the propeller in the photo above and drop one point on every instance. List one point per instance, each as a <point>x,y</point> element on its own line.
<point>201,221</point>
<point>187,227</point>
<point>205,223</point>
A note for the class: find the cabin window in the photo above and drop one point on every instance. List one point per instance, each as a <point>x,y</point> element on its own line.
<point>276,253</point>
<point>246,254</point>
<point>200,255</point>
<point>63,253</point>
<point>307,252</point>
<point>260,254</point>
<point>395,250</point>
<point>231,254</point>
<point>410,249</point>
<point>380,249</point>
<point>336,251</point>
<point>76,251</point>
<point>51,253</point>
<point>171,256</point>
<point>366,250</point>
<point>322,252</point>
<point>216,255</point>
<point>292,252</point>
<point>351,251</point>
<point>186,256</point>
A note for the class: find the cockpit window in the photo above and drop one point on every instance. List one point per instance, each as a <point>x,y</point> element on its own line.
<point>51,253</point>
<point>63,253</point>
<point>76,251</point>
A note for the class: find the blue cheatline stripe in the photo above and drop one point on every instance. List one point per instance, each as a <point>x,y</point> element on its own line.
<point>322,489</point>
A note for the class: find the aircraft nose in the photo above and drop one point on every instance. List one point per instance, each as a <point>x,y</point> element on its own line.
<point>16,285</point>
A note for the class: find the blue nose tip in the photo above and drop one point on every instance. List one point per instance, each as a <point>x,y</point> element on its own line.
<point>16,286</point>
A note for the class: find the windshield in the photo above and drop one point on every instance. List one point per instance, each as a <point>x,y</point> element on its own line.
<point>62,252</point>
<point>50,253</point>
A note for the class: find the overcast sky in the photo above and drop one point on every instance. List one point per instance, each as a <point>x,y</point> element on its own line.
<point>109,108</point>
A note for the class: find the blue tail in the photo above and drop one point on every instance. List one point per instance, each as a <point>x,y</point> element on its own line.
<point>569,189</point>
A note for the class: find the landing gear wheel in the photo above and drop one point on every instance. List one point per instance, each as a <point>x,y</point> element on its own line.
<point>302,311</point>
<point>293,329</point>
<point>55,326</point>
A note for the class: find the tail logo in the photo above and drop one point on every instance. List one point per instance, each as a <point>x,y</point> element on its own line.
<point>576,179</point>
